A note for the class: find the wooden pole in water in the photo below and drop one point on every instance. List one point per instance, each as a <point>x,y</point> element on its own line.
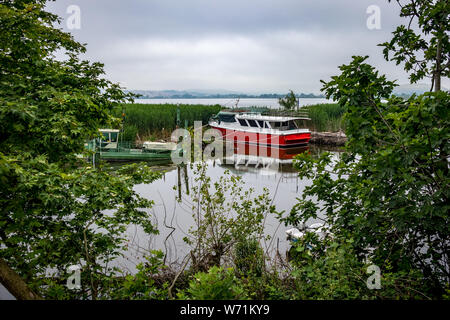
<point>186,178</point>
<point>179,182</point>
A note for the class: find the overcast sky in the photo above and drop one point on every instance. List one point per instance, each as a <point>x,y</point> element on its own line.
<point>239,45</point>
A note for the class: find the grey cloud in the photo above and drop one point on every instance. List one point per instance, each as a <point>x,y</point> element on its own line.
<point>252,45</point>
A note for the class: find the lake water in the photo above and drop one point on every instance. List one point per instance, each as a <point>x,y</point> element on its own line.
<point>271,103</point>
<point>174,218</point>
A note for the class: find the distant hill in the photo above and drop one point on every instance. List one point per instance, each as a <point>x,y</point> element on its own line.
<point>211,94</point>
<point>406,90</point>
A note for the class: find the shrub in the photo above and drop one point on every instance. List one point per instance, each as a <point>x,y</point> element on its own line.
<point>249,257</point>
<point>216,284</point>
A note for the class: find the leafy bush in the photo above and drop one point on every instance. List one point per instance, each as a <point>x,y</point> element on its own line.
<point>334,272</point>
<point>223,212</point>
<point>216,284</point>
<point>249,257</point>
<point>391,189</point>
<point>142,286</point>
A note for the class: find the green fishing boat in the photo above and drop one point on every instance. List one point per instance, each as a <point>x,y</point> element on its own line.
<point>109,148</point>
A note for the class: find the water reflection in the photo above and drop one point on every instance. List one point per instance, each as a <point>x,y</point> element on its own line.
<point>172,211</point>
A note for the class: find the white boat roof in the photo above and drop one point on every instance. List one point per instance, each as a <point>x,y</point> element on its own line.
<point>258,116</point>
<point>109,130</point>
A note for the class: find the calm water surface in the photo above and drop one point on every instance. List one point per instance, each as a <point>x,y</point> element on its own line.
<point>174,218</point>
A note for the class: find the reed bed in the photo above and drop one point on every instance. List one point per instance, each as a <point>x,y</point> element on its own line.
<point>157,121</point>
<point>325,117</point>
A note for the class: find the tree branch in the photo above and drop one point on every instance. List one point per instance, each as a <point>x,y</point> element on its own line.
<point>14,283</point>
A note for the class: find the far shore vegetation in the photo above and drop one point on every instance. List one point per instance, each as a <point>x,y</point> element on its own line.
<point>157,121</point>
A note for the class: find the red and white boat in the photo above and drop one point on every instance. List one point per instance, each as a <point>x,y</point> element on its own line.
<point>262,130</point>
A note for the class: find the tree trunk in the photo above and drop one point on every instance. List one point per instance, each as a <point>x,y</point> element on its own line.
<point>14,283</point>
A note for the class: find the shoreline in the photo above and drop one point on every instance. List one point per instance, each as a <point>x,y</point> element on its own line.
<point>328,138</point>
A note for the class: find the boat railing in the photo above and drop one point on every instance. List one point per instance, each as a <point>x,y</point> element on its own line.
<point>129,145</point>
<point>301,112</point>
<point>121,146</point>
<point>288,113</point>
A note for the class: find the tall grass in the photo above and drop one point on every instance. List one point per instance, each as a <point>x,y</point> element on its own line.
<point>157,121</point>
<point>325,117</point>
<point>154,121</point>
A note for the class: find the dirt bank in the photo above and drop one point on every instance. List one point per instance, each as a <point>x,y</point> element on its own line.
<point>328,138</point>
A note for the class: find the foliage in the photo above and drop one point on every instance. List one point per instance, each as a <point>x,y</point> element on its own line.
<point>390,193</point>
<point>142,286</point>
<point>55,210</point>
<point>249,257</point>
<point>424,50</point>
<point>331,270</point>
<point>289,102</point>
<point>224,214</point>
<point>216,284</point>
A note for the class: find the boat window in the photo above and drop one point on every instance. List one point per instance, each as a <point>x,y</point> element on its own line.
<point>292,125</point>
<point>224,117</point>
<point>252,123</point>
<point>275,124</point>
<point>106,136</point>
<point>242,122</point>
<point>114,136</point>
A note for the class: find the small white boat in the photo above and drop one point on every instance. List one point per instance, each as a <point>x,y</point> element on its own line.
<point>151,145</point>
<point>320,229</point>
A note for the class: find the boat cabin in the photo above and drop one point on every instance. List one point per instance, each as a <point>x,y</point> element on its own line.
<point>268,122</point>
<point>110,138</point>
<point>251,120</point>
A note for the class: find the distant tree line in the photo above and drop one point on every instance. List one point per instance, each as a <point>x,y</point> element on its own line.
<point>229,96</point>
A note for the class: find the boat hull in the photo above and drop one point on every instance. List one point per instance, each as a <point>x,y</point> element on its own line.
<point>293,140</point>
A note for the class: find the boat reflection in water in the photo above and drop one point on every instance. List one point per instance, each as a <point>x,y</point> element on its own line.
<point>264,160</point>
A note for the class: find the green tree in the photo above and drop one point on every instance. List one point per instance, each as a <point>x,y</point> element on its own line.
<point>425,51</point>
<point>390,192</point>
<point>225,214</point>
<point>289,101</point>
<point>57,211</point>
